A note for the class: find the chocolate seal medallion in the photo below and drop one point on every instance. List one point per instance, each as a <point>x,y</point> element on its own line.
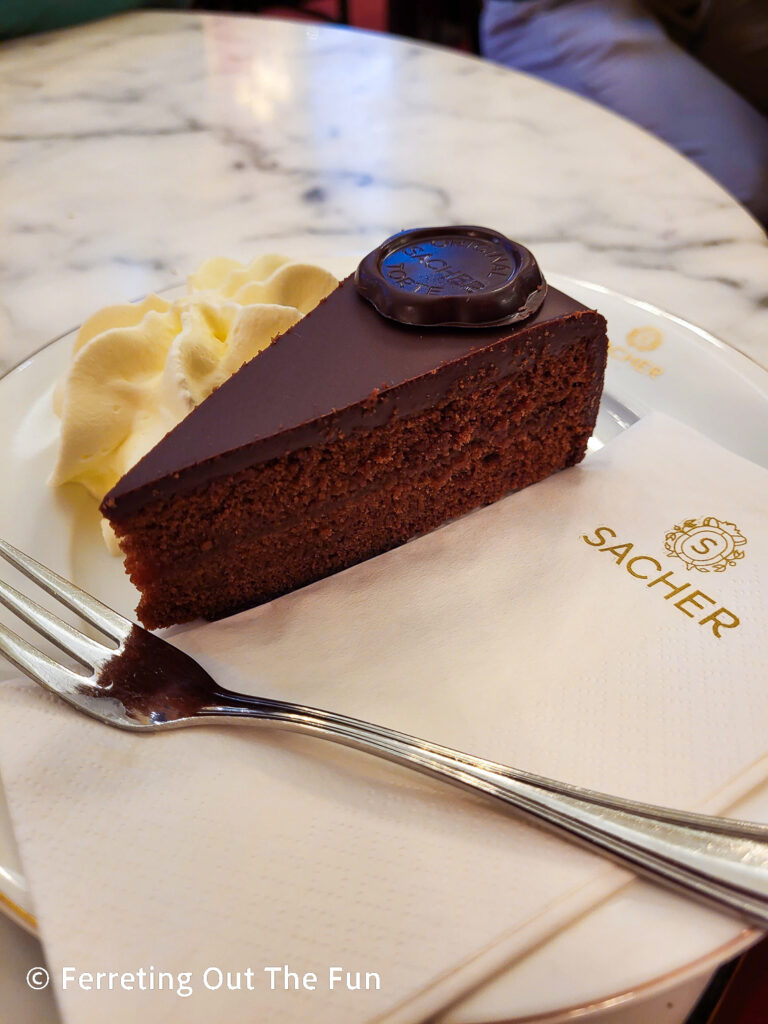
<point>452,277</point>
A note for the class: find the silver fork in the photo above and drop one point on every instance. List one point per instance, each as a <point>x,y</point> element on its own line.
<point>143,684</point>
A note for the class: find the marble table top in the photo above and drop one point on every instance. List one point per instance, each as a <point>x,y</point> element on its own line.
<point>134,148</point>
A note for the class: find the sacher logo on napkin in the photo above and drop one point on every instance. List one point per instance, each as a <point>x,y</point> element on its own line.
<point>703,544</point>
<point>667,517</point>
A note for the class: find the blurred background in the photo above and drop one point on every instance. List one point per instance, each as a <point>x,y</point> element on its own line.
<point>692,72</point>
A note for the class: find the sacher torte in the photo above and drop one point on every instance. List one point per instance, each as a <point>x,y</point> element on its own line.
<point>441,376</point>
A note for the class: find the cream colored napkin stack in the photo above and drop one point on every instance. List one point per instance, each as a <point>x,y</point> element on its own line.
<point>605,627</point>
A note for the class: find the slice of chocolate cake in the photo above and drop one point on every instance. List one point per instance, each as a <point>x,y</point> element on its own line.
<point>439,378</point>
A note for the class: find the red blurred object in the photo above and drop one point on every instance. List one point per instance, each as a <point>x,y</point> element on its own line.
<point>370,14</point>
<point>745,999</point>
<point>449,22</point>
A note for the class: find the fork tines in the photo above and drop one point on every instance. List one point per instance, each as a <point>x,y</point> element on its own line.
<point>69,639</point>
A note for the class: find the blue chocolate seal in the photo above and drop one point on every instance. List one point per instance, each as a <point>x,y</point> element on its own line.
<point>461,276</point>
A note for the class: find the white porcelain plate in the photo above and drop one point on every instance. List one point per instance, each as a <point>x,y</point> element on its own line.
<point>656,362</point>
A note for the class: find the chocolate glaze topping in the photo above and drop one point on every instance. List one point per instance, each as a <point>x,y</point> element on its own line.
<point>452,277</point>
<point>343,367</point>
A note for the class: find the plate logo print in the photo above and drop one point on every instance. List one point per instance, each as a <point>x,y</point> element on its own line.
<point>645,338</point>
<point>708,544</point>
<point>635,352</point>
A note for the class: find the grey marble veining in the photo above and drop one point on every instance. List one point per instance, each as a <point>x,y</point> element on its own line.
<point>135,147</point>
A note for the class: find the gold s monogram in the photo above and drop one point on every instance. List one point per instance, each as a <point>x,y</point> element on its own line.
<point>708,545</point>
<point>645,338</point>
<point>638,341</point>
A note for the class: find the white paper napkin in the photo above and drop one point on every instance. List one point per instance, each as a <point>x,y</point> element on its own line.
<point>531,632</point>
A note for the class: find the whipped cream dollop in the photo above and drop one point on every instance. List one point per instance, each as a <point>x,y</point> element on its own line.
<point>140,368</point>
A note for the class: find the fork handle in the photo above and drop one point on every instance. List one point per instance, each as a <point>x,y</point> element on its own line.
<point>722,862</point>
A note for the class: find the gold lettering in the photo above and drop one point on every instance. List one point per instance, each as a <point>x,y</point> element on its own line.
<point>621,551</point>
<point>691,599</point>
<point>641,558</point>
<point>638,364</point>
<point>600,539</point>
<point>704,545</point>
<point>720,619</point>
<point>673,590</point>
<point>717,622</point>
